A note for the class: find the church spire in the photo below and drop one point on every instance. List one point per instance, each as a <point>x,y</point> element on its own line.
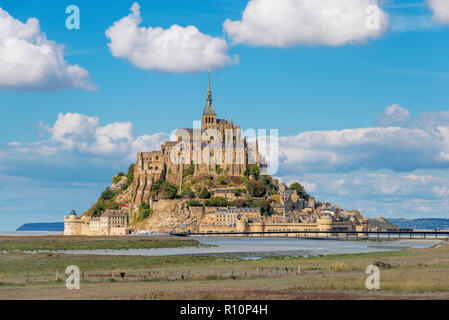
<point>209,109</point>
<point>209,91</point>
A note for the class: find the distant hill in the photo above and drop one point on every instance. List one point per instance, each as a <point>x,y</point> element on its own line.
<point>422,223</point>
<point>382,223</point>
<point>44,226</point>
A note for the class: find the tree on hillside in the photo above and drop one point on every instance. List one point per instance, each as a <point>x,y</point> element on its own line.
<point>187,192</point>
<point>170,189</point>
<point>217,202</point>
<point>299,189</point>
<point>189,171</point>
<point>107,194</point>
<point>130,174</point>
<point>144,211</point>
<point>239,203</point>
<point>256,188</point>
<point>205,194</point>
<point>253,169</point>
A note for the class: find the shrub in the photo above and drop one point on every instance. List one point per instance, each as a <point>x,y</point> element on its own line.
<point>116,179</point>
<point>194,203</point>
<point>267,180</point>
<point>217,202</point>
<point>256,188</point>
<point>263,204</point>
<point>240,203</point>
<point>205,194</point>
<point>144,211</point>
<point>253,169</point>
<point>170,189</point>
<point>187,192</point>
<point>130,174</point>
<point>157,186</point>
<point>107,194</point>
<point>223,180</point>
<point>189,171</point>
<point>165,189</point>
<point>120,174</point>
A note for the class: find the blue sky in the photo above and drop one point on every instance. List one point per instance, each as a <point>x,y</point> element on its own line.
<point>394,78</point>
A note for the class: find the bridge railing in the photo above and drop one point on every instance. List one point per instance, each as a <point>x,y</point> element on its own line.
<point>334,234</point>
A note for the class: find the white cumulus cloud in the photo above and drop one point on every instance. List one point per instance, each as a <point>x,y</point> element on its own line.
<point>394,115</point>
<point>440,9</point>
<point>176,49</point>
<point>400,144</point>
<point>28,60</point>
<point>84,134</point>
<point>286,23</point>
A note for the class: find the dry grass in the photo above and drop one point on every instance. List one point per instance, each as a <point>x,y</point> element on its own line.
<point>411,273</point>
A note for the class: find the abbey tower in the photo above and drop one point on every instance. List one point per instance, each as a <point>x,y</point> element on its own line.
<point>218,146</point>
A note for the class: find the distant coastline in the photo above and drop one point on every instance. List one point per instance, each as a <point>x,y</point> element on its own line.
<point>42,226</point>
<point>421,223</point>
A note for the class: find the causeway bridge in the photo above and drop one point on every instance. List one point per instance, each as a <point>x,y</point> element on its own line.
<point>330,235</point>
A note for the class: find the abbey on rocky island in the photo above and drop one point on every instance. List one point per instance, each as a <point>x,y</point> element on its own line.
<point>211,179</point>
<point>218,146</point>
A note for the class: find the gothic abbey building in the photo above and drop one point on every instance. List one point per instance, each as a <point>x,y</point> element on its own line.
<point>216,146</point>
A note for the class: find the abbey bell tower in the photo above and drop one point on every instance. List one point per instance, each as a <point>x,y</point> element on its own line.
<point>209,118</point>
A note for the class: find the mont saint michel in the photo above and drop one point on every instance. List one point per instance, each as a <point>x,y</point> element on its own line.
<point>210,179</point>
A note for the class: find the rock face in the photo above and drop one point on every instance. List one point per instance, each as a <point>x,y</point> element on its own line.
<point>172,216</point>
<point>119,184</point>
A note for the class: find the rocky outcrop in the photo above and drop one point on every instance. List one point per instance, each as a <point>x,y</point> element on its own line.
<point>115,186</point>
<point>172,216</point>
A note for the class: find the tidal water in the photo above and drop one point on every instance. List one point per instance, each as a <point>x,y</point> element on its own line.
<point>30,233</point>
<point>257,248</point>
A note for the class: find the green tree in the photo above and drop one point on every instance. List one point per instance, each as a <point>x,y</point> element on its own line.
<point>189,171</point>
<point>144,211</point>
<point>130,174</point>
<point>264,206</point>
<point>187,192</point>
<point>217,202</point>
<point>107,194</point>
<point>194,203</point>
<point>299,189</point>
<point>170,189</point>
<point>256,188</point>
<point>223,180</point>
<point>205,194</point>
<point>240,203</point>
<point>157,186</point>
<point>116,179</point>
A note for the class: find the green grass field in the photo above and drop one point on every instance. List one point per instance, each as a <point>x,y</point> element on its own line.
<point>20,243</point>
<point>410,273</point>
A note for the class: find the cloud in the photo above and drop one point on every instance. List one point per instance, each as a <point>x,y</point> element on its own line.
<point>29,61</point>
<point>76,148</point>
<point>401,144</point>
<point>385,194</point>
<point>440,10</point>
<point>394,115</point>
<point>177,49</point>
<point>287,23</point>
<point>84,134</point>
